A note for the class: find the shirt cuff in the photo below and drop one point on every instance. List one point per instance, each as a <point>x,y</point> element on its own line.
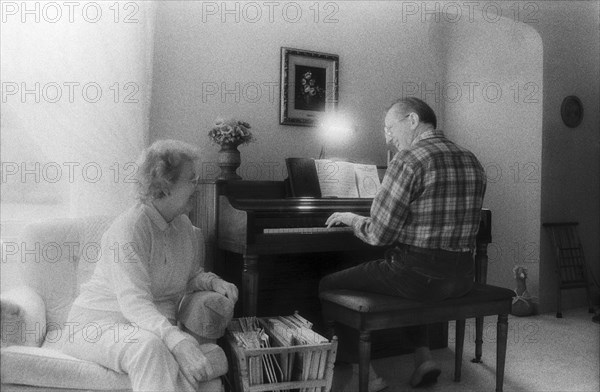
<point>208,279</point>
<point>357,222</point>
<point>174,336</point>
<point>202,281</point>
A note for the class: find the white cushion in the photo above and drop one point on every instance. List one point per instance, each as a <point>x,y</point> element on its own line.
<point>57,257</point>
<point>51,368</point>
<point>27,328</point>
<point>43,367</point>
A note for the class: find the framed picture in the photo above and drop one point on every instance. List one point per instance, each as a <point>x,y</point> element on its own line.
<point>309,86</point>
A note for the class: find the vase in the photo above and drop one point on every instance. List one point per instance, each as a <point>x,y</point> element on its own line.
<point>229,161</point>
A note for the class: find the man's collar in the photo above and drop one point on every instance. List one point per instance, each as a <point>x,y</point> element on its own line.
<point>427,135</point>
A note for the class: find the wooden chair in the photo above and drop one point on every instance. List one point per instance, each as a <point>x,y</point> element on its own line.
<point>571,269</point>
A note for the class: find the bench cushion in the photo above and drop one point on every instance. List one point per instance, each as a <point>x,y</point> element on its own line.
<point>364,302</point>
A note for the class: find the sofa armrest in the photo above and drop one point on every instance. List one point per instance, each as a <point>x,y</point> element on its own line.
<point>205,315</point>
<point>23,317</point>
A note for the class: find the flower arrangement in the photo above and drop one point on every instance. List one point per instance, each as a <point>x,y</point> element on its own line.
<point>310,87</point>
<point>230,132</point>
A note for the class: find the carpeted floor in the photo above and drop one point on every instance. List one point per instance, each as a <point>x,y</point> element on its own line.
<point>544,354</point>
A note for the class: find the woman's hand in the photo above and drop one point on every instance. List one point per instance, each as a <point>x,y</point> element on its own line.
<point>337,218</point>
<point>192,362</point>
<point>225,288</point>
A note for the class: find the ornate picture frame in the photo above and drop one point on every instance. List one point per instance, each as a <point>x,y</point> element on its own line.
<point>309,86</point>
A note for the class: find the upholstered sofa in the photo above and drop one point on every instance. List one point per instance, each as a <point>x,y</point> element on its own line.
<point>55,258</point>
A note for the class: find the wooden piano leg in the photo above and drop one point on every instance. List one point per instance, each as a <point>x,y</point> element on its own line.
<point>250,285</point>
<point>481,262</point>
<point>481,266</point>
<point>478,339</point>
<point>501,336</point>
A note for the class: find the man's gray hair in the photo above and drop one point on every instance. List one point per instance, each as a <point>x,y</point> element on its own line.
<point>160,165</point>
<point>412,104</point>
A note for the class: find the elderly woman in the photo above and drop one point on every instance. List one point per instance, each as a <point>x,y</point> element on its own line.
<point>151,256</point>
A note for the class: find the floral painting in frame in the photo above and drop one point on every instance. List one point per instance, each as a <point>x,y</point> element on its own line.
<point>309,86</point>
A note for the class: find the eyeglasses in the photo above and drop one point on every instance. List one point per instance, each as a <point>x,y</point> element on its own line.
<point>387,129</point>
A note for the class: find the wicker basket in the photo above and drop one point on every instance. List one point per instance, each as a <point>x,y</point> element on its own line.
<point>304,368</point>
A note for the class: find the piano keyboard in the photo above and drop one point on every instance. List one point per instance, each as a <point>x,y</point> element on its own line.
<point>308,230</point>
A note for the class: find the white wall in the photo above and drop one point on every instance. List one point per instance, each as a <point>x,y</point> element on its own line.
<point>76,94</point>
<point>493,106</point>
<point>377,55</point>
<point>566,175</point>
<point>79,94</point>
<point>571,156</point>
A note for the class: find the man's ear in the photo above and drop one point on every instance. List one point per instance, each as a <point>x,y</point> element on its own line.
<point>414,119</point>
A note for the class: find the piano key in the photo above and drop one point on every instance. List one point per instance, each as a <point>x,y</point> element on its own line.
<point>308,230</point>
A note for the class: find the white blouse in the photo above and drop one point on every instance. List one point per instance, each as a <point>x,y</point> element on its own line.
<point>146,267</point>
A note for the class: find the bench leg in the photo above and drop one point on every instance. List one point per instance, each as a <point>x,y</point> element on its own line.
<point>501,335</point>
<point>364,359</point>
<point>460,338</point>
<point>478,339</point>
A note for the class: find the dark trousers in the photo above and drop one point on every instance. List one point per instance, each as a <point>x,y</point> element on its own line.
<point>410,272</point>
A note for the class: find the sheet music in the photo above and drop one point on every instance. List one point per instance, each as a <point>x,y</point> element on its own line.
<point>367,180</point>
<point>336,178</point>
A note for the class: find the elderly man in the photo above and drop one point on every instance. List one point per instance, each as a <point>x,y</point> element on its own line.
<point>428,211</point>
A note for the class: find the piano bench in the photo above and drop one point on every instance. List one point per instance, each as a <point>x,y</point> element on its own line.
<point>366,312</point>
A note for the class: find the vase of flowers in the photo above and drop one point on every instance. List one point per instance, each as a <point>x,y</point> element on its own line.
<point>229,134</point>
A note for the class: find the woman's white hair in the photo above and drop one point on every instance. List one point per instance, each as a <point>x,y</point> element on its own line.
<point>160,165</point>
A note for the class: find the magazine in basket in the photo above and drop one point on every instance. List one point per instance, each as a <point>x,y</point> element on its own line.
<point>279,354</point>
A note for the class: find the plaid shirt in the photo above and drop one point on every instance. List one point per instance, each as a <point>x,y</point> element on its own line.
<point>431,197</point>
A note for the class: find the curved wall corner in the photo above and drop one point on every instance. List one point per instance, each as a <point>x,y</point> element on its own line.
<point>491,94</point>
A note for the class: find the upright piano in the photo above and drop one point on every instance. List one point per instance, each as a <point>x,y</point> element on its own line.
<point>255,218</point>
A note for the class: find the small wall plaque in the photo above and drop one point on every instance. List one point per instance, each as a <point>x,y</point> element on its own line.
<point>571,111</point>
